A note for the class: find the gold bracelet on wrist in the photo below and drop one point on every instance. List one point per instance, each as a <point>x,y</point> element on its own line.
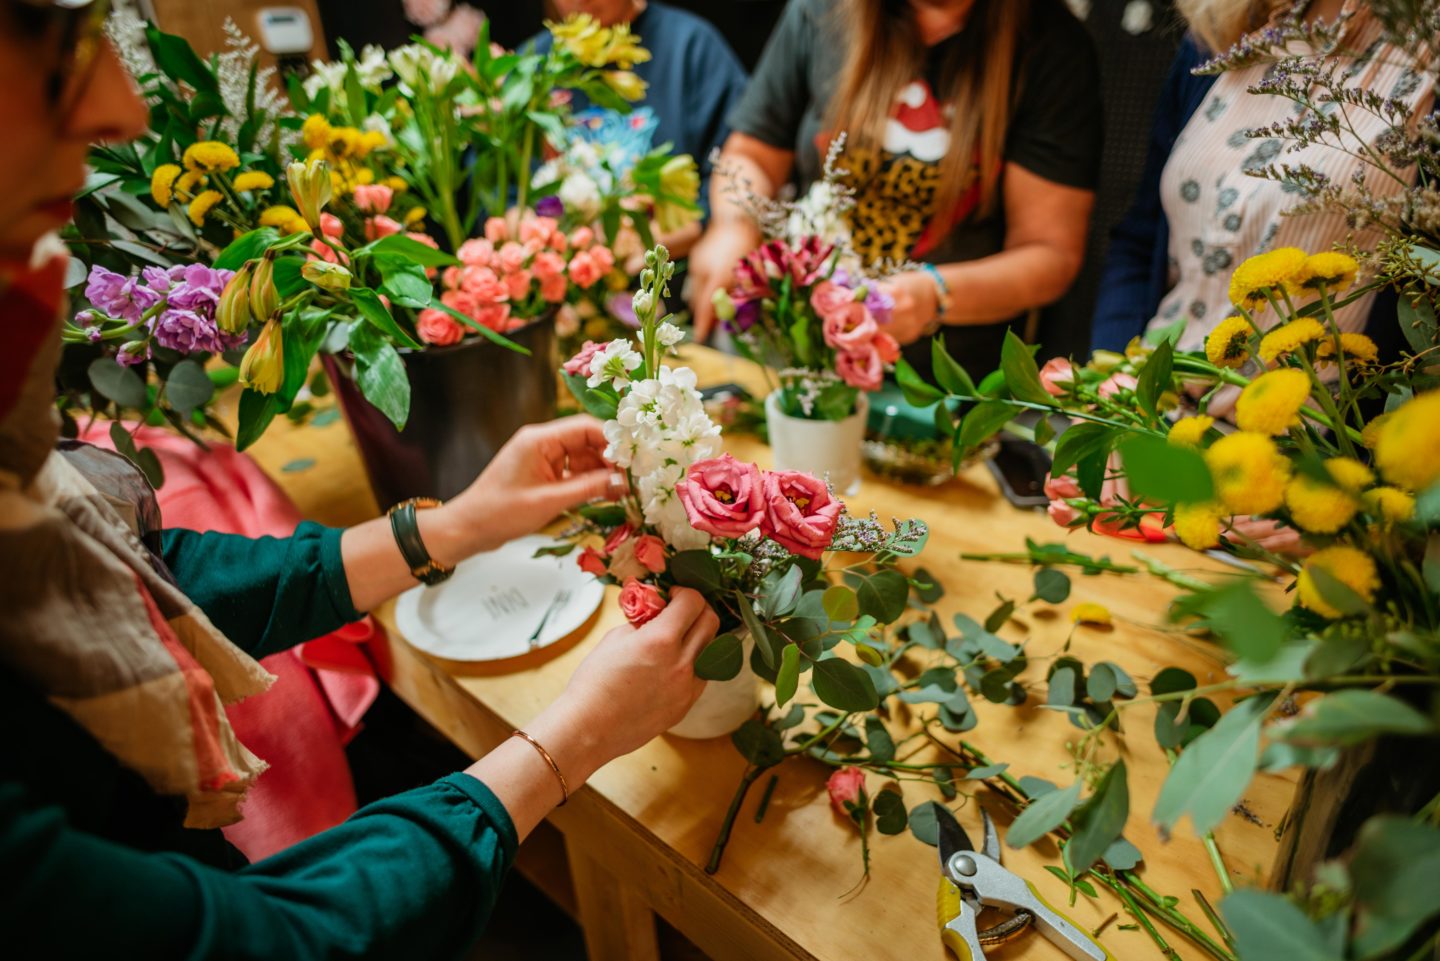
<point>545,755</point>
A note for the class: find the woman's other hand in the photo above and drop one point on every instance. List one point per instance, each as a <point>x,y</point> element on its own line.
<point>917,301</point>
<point>712,267</point>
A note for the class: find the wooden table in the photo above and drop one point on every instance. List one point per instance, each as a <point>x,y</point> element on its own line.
<point>637,836</point>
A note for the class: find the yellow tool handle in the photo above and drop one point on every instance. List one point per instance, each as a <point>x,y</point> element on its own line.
<point>948,908</point>
<point>1074,931</point>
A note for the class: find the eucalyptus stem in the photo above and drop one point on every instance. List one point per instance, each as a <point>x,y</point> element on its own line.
<point>1139,914</point>
<point>1218,863</point>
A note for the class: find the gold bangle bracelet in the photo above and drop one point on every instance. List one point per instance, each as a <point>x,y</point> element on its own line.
<point>564,787</point>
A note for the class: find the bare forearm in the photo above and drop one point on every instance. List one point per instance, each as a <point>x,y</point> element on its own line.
<point>998,287</point>
<point>735,176</point>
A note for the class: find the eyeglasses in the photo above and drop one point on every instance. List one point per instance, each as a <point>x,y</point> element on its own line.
<point>79,27</point>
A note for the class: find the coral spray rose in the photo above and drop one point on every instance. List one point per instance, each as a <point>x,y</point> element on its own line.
<point>650,552</point>
<point>846,788</point>
<point>850,328</point>
<point>800,513</point>
<point>438,328</point>
<point>723,496</point>
<point>591,562</point>
<point>640,603</point>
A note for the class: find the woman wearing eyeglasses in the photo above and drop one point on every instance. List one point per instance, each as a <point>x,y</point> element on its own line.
<point>120,642</point>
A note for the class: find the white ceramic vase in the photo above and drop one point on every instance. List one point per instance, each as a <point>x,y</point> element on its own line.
<point>724,705</point>
<point>828,449</point>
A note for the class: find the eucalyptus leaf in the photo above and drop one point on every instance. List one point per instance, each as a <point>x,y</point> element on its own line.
<point>787,678</point>
<point>840,603</point>
<point>924,823</point>
<point>878,740</point>
<point>1269,926</point>
<point>1347,717</point>
<point>883,595</point>
<point>188,386</point>
<point>844,686</point>
<point>1043,815</point>
<point>721,659</point>
<point>889,808</point>
<point>1213,771</point>
<point>698,570</point>
<point>117,383</point>
<point>1051,586</point>
<point>758,744</point>
<point>1098,822</point>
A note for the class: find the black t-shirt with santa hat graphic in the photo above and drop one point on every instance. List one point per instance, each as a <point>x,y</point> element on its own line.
<point>1054,133</point>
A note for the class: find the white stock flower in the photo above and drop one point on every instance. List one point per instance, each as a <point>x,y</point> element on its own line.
<point>372,66</point>
<point>614,362</point>
<point>419,68</point>
<point>667,333</point>
<point>581,196</point>
<point>324,76</point>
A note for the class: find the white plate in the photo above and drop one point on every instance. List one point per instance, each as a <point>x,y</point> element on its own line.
<point>488,610</point>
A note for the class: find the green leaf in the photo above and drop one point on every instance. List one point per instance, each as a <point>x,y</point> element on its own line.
<point>913,386</point>
<point>1080,884</point>
<point>149,463</point>
<point>889,808</point>
<point>1078,441</point>
<point>493,336</point>
<point>721,659</point>
<point>787,679</point>
<point>988,771</point>
<point>1165,473</point>
<point>1213,771</point>
<point>1336,592</point>
<point>844,686</point>
<point>1351,716</point>
<point>380,375</point>
<point>1244,621</point>
<point>1000,616</point>
<point>983,420</point>
<point>255,414</point>
<point>883,595</point>
<point>1418,323</point>
<point>698,570</point>
<point>377,316</point>
<point>178,61</point>
<point>410,249</point>
<point>1061,691</point>
<point>118,384</point>
<point>246,247</point>
<point>951,377</point>
<point>1122,855</point>
<point>1051,586</point>
<point>878,740</point>
<point>1098,822</point>
<point>601,403</point>
<point>840,603</point>
<point>404,281</point>
<point>764,643</point>
<point>1154,379</point>
<point>780,592</point>
<point>1043,815</point>
<point>1268,927</point>
<point>1100,685</point>
<point>1021,374</point>
<point>758,744</point>
<point>1396,873</point>
<point>188,386</point>
<point>924,823</point>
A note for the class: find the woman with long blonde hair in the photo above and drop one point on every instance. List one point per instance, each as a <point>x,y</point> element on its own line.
<point>973,140</point>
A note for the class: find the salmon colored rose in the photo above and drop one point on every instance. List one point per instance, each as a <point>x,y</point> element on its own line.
<point>512,257</point>
<point>496,230</point>
<point>846,788</point>
<point>604,259</point>
<point>650,551</point>
<point>887,347</point>
<point>554,289</point>
<point>373,198</point>
<point>438,328</point>
<point>800,513</point>
<point>583,269</point>
<point>591,562</point>
<point>640,603</point>
<point>723,496</point>
<point>477,252</point>
<point>381,226</point>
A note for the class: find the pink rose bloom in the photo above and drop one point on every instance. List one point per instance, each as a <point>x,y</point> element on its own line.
<point>640,603</point>
<point>603,258</point>
<point>512,257</point>
<point>461,301</point>
<point>558,241</point>
<point>438,328</point>
<point>617,537</point>
<point>495,316</point>
<point>451,278</point>
<point>518,284</point>
<point>537,229</point>
<point>723,496</point>
<point>845,787</point>
<point>887,347</point>
<point>579,365</point>
<point>477,252</point>
<point>1062,513</point>
<point>829,298</point>
<point>1115,383</point>
<point>583,269</point>
<point>800,513</point>
<point>650,551</point>
<point>1062,488</point>
<point>554,289</point>
<point>850,328</point>
<point>482,284</point>
<point>591,562</point>
<point>381,226</point>
<point>1056,375</point>
<point>324,252</point>
<point>547,264</point>
<point>373,198</point>
<point>581,237</point>
<point>496,230</point>
<point>861,368</point>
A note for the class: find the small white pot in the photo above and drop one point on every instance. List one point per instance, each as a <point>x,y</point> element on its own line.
<point>829,449</point>
<point>724,705</point>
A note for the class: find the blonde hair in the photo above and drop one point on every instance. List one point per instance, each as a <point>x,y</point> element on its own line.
<point>1219,24</point>
<point>977,80</point>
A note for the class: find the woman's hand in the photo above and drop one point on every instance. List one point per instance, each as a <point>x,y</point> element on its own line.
<point>712,267</point>
<point>917,301</point>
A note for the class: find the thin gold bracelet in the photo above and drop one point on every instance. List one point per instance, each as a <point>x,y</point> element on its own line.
<point>564,787</point>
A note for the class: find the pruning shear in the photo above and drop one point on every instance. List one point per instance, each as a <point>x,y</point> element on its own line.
<point>970,880</point>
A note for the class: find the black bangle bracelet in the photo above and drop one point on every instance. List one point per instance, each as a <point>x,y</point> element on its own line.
<point>406,529</point>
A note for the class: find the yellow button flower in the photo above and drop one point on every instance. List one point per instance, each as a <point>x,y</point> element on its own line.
<point>1359,350</point>
<point>1198,525</point>
<point>1091,613</point>
<point>1407,446</point>
<point>210,157</point>
<point>254,180</point>
<point>188,183</point>
<point>1348,565</point>
<point>1389,504</point>
<point>283,218</point>
<point>1318,507</point>
<point>1228,345</point>
<point>1350,473</point>
<point>1289,338</point>
<point>1190,431</point>
<point>201,206</point>
<point>1249,471</point>
<point>1271,403</point>
<point>315,132</point>
<point>162,183</point>
<point>1258,276</point>
<point>1330,269</point>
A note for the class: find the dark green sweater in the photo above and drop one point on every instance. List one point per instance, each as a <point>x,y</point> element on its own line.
<point>95,864</point>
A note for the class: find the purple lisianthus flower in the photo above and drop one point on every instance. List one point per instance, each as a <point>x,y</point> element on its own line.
<point>187,331</point>
<point>118,295</point>
<point>746,316</point>
<point>879,302</point>
<point>550,206</point>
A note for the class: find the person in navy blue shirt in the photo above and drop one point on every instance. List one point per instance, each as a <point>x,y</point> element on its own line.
<point>693,79</point>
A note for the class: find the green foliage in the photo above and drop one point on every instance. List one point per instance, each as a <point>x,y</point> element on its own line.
<point>721,659</point>
<point>1043,815</point>
<point>1165,473</point>
<point>1098,822</point>
<point>1268,927</point>
<point>1213,771</point>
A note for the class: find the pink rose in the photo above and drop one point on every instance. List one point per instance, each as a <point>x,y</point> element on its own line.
<point>579,365</point>
<point>650,551</point>
<point>603,258</point>
<point>495,316</point>
<point>640,603</point>
<point>617,537</point>
<point>624,565</point>
<point>381,226</point>
<point>800,513</point>
<point>482,284</point>
<point>887,347</point>
<point>438,328</point>
<point>496,230</point>
<point>459,300</point>
<point>373,198</point>
<point>518,284</point>
<point>829,298</point>
<point>558,241</point>
<point>583,269</point>
<point>1062,488</point>
<point>591,562</point>
<point>477,252</point>
<point>846,787</point>
<point>512,257</point>
<point>1115,383</point>
<point>547,264</point>
<point>850,328</point>
<point>537,229</point>
<point>581,237</point>
<point>1062,513</point>
<point>451,278</point>
<point>554,289</point>
<point>1056,375</point>
<point>428,241</point>
<point>324,252</point>
<point>723,496</point>
<point>861,368</point>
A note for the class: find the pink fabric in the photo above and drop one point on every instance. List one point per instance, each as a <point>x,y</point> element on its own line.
<point>301,725</point>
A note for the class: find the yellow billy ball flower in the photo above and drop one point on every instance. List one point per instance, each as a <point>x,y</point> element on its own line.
<point>282,218</point>
<point>187,183</point>
<point>254,180</point>
<point>372,140</point>
<point>413,216</point>
<point>315,131</point>
<point>1390,504</point>
<point>162,183</point>
<point>1318,507</point>
<point>1370,433</point>
<point>1348,565</point>
<point>1254,279</point>
<point>1350,473</point>
<point>1228,345</point>
<point>1090,613</point>
<point>1407,449</point>
<point>1331,269</point>
<point>626,83</point>
<point>1359,350</point>
<point>1271,403</point>
<point>203,203</point>
<point>1249,471</point>
<point>396,184</point>
<point>1198,525</point>
<point>1190,431</point>
<point>210,157</point>
<point>1289,338</point>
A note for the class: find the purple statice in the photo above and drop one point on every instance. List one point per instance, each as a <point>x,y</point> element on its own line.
<point>549,207</point>
<point>118,295</point>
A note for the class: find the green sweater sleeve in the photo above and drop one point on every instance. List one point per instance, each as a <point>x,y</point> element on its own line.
<point>264,593</point>
<point>414,876</point>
